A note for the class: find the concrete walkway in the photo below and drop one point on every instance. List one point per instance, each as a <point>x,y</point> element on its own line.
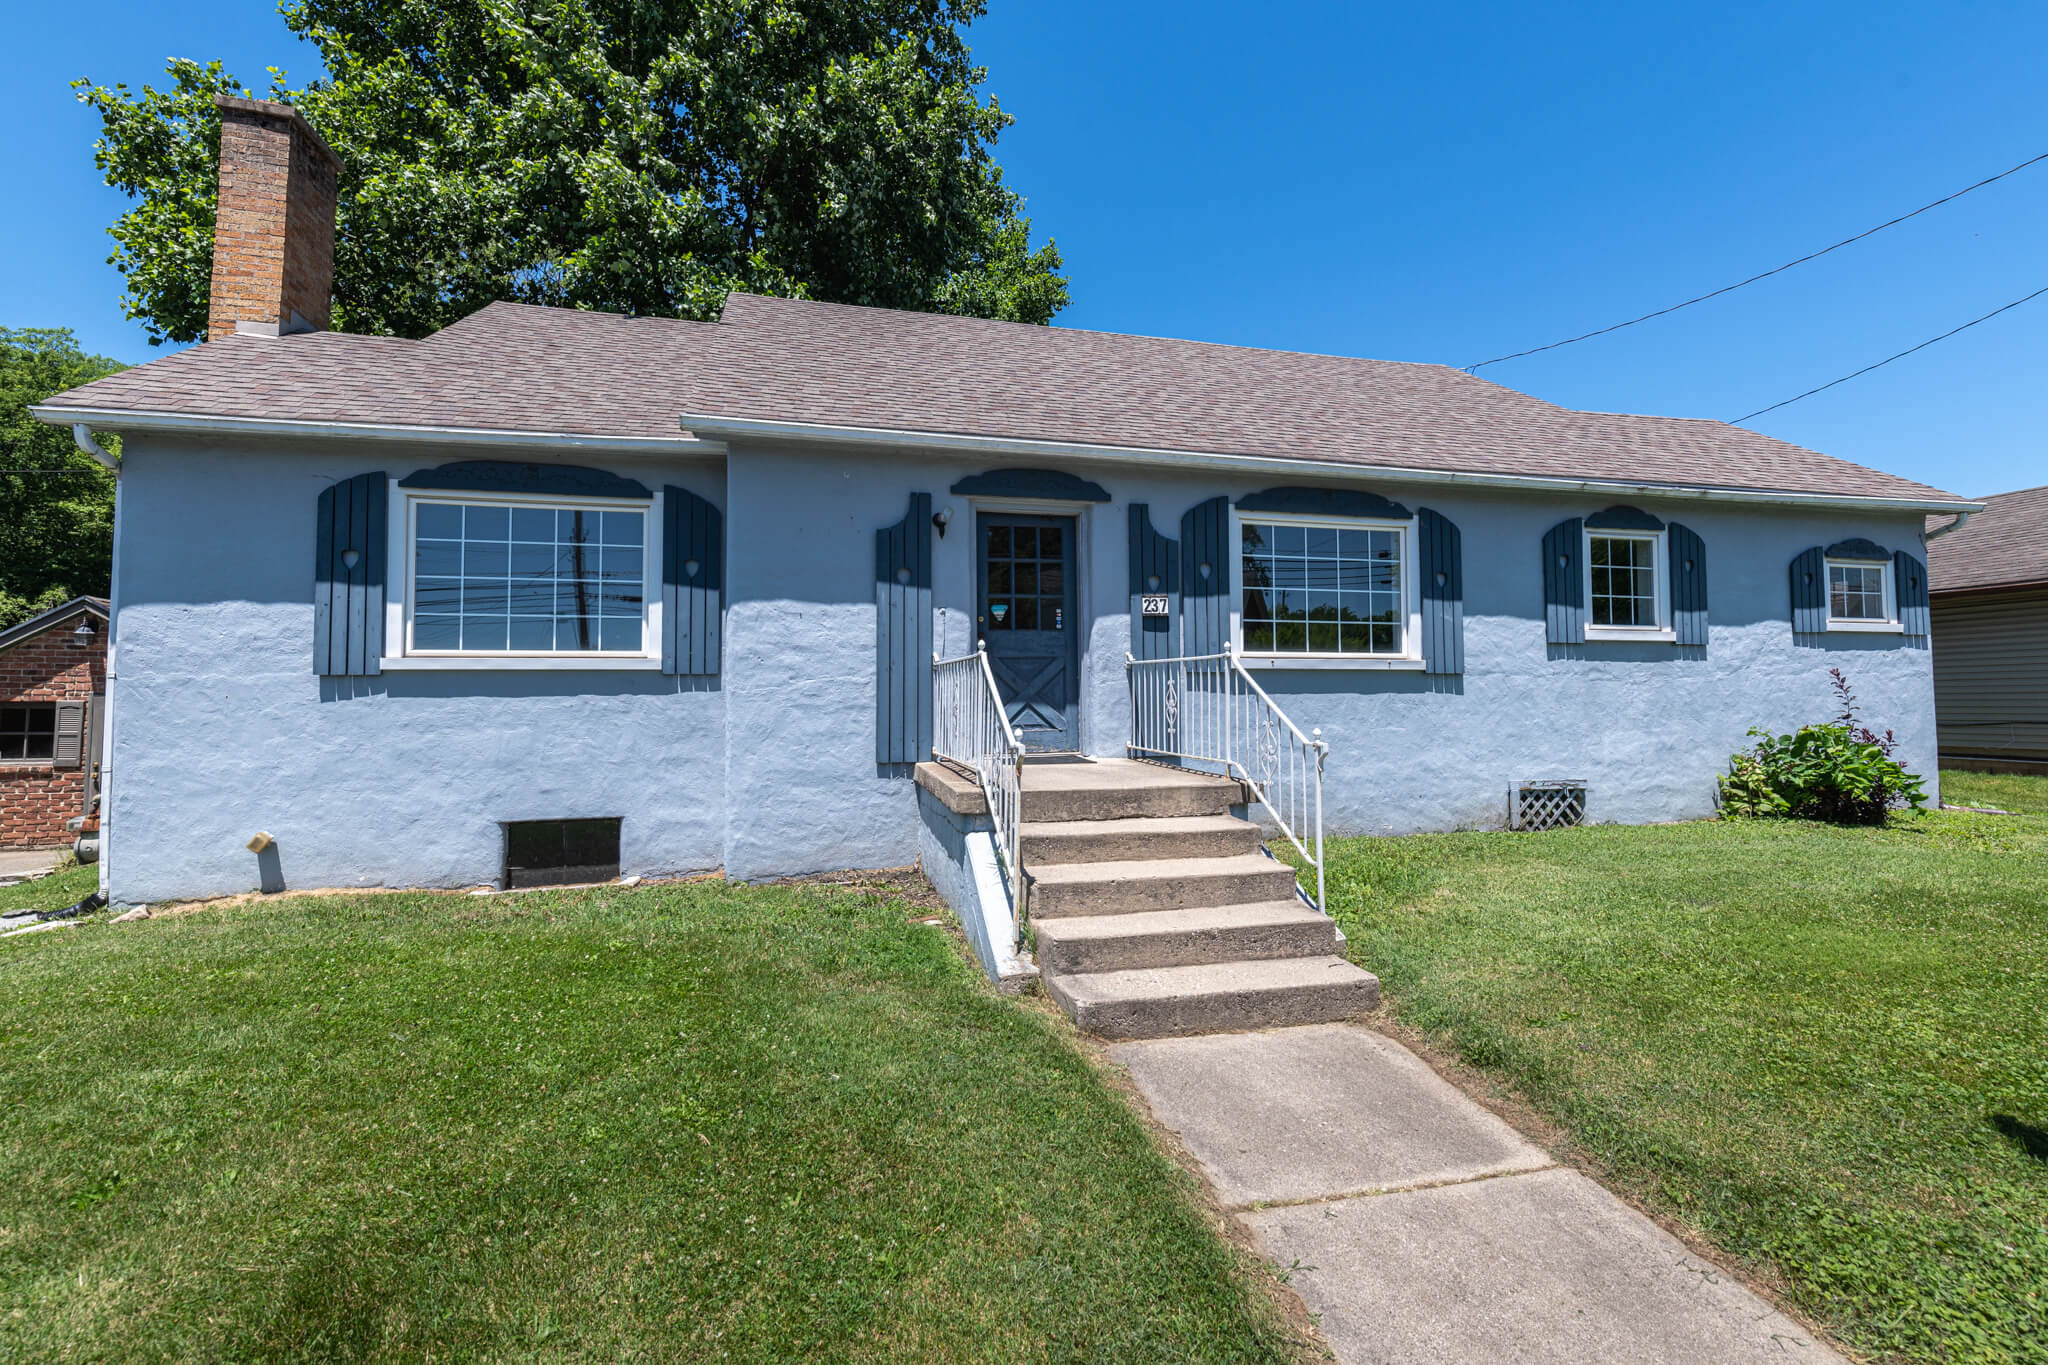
<point>1417,1226</point>
<point>18,864</point>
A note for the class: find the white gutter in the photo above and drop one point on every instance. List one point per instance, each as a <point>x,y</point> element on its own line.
<point>81,436</point>
<point>1955,525</point>
<point>725,429</point>
<point>126,419</point>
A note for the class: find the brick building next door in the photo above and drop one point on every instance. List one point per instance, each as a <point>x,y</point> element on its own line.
<point>53,682</point>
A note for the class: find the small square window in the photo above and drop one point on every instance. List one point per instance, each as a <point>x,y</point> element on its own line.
<point>28,732</point>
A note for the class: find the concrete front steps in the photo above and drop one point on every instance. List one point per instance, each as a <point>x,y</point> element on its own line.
<point>1154,911</point>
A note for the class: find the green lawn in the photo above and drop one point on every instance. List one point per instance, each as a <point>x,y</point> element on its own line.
<point>53,892</point>
<point>1824,1048</point>
<point>684,1122</point>
<point>2004,791</point>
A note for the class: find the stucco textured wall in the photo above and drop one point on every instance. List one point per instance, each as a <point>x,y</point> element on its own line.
<point>223,728</point>
<point>1647,725</point>
<point>397,780</point>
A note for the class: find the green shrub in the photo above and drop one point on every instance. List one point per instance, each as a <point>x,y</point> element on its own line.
<point>1841,772</point>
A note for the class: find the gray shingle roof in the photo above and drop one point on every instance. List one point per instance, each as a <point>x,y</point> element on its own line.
<point>519,368</point>
<point>2006,543</point>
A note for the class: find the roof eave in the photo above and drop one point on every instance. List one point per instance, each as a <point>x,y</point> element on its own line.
<point>1987,589</point>
<point>727,429</point>
<point>43,621</point>
<point>129,419</point>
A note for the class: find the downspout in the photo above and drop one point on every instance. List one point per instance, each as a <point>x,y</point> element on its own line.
<point>1955,525</point>
<point>82,436</point>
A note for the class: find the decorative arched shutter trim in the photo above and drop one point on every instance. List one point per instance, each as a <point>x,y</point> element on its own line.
<point>1205,577</point>
<point>1564,582</point>
<point>349,551</point>
<point>1155,571</point>
<point>903,636</point>
<point>1810,592</point>
<point>1441,564</point>
<point>1909,586</point>
<point>692,582</point>
<point>1688,557</point>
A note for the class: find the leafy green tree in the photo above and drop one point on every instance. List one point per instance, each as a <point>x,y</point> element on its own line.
<point>640,156</point>
<point>56,504</point>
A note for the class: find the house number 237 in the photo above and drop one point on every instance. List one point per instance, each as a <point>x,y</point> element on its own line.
<point>1152,604</point>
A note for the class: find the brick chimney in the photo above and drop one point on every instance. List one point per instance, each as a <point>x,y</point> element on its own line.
<point>273,232</point>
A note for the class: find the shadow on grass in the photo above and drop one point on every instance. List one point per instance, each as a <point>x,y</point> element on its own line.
<point>2025,1136</point>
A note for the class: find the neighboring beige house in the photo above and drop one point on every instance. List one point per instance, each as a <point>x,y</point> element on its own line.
<point>1988,587</point>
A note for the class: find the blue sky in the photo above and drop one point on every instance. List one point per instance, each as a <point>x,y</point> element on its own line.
<point>1434,183</point>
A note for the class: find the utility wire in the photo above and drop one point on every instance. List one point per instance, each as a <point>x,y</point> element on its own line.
<point>1737,421</point>
<point>1728,289</point>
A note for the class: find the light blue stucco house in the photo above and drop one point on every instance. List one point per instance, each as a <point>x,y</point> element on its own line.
<point>397,604</point>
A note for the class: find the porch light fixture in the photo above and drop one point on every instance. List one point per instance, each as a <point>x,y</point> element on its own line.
<point>941,519</point>
<point>82,635</point>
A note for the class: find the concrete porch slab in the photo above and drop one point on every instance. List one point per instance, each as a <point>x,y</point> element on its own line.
<point>1536,1268</point>
<point>1315,1112</point>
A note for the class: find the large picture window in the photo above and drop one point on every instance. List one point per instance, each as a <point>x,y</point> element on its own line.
<point>496,578</point>
<point>1322,588</point>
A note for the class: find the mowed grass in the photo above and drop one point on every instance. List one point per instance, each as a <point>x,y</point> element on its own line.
<point>1826,1049</point>
<point>681,1122</point>
<point>53,892</point>
<point>2017,792</point>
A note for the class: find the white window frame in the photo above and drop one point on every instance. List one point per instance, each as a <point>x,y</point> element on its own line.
<point>1660,588</point>
<point>398,607</point>
<point>1410,656</point>
<point>1858,625</point>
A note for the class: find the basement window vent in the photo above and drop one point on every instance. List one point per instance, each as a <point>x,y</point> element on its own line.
<point>1547,803</point>
<point>560,852</point>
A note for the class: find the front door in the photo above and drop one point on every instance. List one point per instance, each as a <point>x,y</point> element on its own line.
<point>1027,618</point>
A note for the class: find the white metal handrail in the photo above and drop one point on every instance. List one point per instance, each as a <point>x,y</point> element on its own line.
<point>971,727</point>
<point>1206,708</point>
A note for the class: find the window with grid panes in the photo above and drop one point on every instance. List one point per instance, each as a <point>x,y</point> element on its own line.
<point>516,578</point>
<point>1321,589</point>
<point>1856,592</point>
<point>28,732</point>
<point>1027,588</point>
<point>1624,573</point>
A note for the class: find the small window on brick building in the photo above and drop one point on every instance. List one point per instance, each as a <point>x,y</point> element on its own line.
<point>28,732</point>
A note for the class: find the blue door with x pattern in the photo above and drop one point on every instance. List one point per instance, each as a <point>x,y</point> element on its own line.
<point>1027,618</point>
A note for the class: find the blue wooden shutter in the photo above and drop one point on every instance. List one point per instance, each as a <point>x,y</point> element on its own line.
<point>1205,577</point>
<point>1155,569</point>
<point>1909,587</point>
<point>1441,564</point>
<point>1564,582</point>
<point>1688,555</point>
<point>348,578</point>
<point>903,636</point>
<point>1810,592</point>
<point>692,582</point>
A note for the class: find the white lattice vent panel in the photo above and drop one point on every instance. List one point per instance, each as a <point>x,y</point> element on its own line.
<point>1550,803</point>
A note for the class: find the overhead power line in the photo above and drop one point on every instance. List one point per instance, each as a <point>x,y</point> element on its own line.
<point>1777,270</point>
<point>1737,421</point>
